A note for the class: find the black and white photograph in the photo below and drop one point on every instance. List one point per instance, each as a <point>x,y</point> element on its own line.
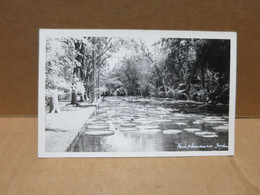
<point>136,93</point>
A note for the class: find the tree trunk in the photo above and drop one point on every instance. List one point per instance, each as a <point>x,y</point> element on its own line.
<point>98,83</point>
<point>93,76</point>
<point>54,102</point>
<point>73,93</point>
<point>73,97</point>
<point>82,97</point>
<point>193,71</point>
<point>164,85</point>
<point>203,86</point>
<point>202,77</point>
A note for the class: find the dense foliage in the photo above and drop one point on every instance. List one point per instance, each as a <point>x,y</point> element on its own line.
<point>186,69</point>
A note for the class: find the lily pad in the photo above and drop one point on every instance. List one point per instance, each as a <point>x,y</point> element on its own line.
<point>198,122</point>
<point>143,121</point>
<point>223,128</point>
<point>209,136</point>
<point>98,123</point>
<point>150,131</point>
<point>127,118</point>
<point>191,130</point>
<point>162,120</point>
<point>178,118</point>
<point>128,125</point>
<point>171,131</point>
<point>162,115</point>
<point>98,126</point>
<point>148,126</point>
<point>99,133</point>
<point>180,115</point>
<point>129,129</point>
<point>206,134</point>
<point>216,122</point>
<point>213,118</point>
<point>181,124</point>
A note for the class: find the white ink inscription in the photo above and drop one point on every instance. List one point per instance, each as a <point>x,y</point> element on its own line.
<point>194,146</point>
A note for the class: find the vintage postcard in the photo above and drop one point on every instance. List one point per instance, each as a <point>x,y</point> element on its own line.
<point>136,93</point>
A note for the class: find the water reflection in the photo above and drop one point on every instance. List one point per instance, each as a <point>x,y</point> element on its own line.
<point>139,126</point>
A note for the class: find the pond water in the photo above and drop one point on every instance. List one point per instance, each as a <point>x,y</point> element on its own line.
<point>127,124</point>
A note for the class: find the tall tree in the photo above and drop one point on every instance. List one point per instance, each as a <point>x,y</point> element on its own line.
<point>59,57</point>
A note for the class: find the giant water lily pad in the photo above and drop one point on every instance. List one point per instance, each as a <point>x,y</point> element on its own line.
<point>99,133</point>
<point>209,136</point>
<point>206,134</point>
<point>162,115</point>
<point>198,122</point>
<point>128,124</point>
<point>150,131</point>
<point>178,118</point>
<point>223,128</point>
<point>99,123</point>
<point>148,126</point>
<point>191,130</point>
<point>128,118</point>
<point>213,118</point>
<point>181,124</point>
<point>171,131</point>
<point>180,115</point>
<point>162,120</point>
<point>115,115</point>
<point>216,122</point>
<point>143,121</point>
<point>98,126</point>
<point>129,129</point>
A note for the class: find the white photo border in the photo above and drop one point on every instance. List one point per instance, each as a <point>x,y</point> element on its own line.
<point>43,33</point>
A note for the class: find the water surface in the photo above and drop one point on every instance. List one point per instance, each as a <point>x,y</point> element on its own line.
<point>144,125</point>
